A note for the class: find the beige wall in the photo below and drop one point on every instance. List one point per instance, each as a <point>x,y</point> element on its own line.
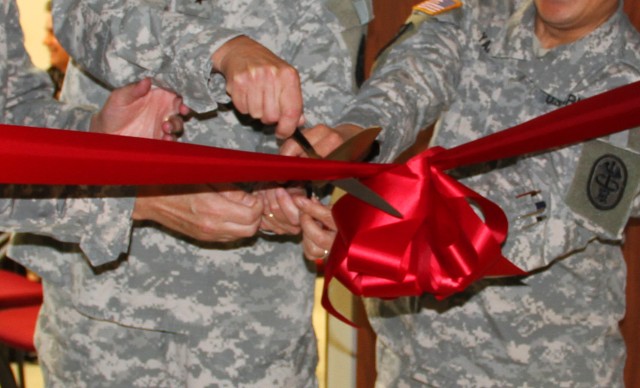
<point>32,18</point>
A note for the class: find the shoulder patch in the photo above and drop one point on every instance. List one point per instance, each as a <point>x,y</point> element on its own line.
<point>435,7</point>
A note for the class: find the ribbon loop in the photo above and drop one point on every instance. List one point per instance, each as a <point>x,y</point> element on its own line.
<point>440,246</point>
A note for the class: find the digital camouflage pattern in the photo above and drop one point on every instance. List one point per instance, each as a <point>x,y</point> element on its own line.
<point>25,88</point>
<point>479,70</point>
<point>170,311</point>
<point>26,100</point>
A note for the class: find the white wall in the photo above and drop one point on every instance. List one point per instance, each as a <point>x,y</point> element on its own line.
<point>32,18</point>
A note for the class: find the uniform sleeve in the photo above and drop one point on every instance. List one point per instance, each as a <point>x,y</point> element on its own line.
<point>66,214</point>
<point>28,91</point>
<point>322,59</point>
<point>121,41</point>
<point>96,219</point>
<point>410,89</point>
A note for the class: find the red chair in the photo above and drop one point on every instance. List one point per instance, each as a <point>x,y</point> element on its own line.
<point>17,326</point>
<point>16,290</point>
<point>20,301</point>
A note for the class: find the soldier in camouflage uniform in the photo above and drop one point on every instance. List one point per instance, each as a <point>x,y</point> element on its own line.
<point>26,100</point>
<point>478,69</point>
<point>155,303</point>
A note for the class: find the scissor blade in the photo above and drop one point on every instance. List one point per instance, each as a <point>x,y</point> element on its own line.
<point>364,193</point>
<point>355,147</point>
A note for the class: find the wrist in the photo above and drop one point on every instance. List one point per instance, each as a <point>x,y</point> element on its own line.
<point>142,205</point>
<point>94,124</point>
<point>218,58</point>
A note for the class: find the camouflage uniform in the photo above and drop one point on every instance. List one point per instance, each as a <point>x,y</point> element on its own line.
<point>26,100</point>
<point>26,91</point>
<point>171,311</point>
<point>477,70</point>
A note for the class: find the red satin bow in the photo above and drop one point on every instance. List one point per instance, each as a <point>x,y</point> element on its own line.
<point>441,245</point>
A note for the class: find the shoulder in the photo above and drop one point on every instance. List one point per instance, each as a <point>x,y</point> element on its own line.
<point>490,9</point>
<point>489,14</point>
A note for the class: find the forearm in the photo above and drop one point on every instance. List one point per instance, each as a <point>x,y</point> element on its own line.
<point>120,42</point>
<point>411,88</point>
<point>98,219</point>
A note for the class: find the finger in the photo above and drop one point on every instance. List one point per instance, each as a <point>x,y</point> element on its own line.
<point>289,208</point>
<point>183,109</point>
<point>168,137</point>
<point>311,251</point>
<point>173,125</point>
<point>256,94</point>
<point>243,208</point>
<point>274,211</point>
<point>290,102</point>
<point>316,241</point>
<point>291,147</point>
<point>233,231</point>
<point>264,226</point>
<point>270,108</point>
<point>269,224</point>
<point>317,211</point>
<point>238,93</point>
<point>134,91</point>
<point>232,193</point>
<point>242,215</point>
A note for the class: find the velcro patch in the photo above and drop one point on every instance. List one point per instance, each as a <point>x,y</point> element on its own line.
<point>605,184</point>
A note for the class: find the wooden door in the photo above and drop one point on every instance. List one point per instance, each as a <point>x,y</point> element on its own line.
<point>389,16</point>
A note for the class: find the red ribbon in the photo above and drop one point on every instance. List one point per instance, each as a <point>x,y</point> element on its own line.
<point>32,155</point>
<point>441,245</point>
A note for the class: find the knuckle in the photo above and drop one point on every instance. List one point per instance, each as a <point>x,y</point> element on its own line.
<point>290,74</point>
<point>291,112</point>
<point>270,117</point>
<point>206,230</point>
<point>239,81</point>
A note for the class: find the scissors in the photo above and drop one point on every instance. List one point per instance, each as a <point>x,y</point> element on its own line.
<point>352,149</point>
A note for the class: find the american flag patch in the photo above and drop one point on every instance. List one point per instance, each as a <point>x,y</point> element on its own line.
<point>434,7</point>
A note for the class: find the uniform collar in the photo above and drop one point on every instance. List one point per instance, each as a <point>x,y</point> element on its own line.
<point>558,71</point>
